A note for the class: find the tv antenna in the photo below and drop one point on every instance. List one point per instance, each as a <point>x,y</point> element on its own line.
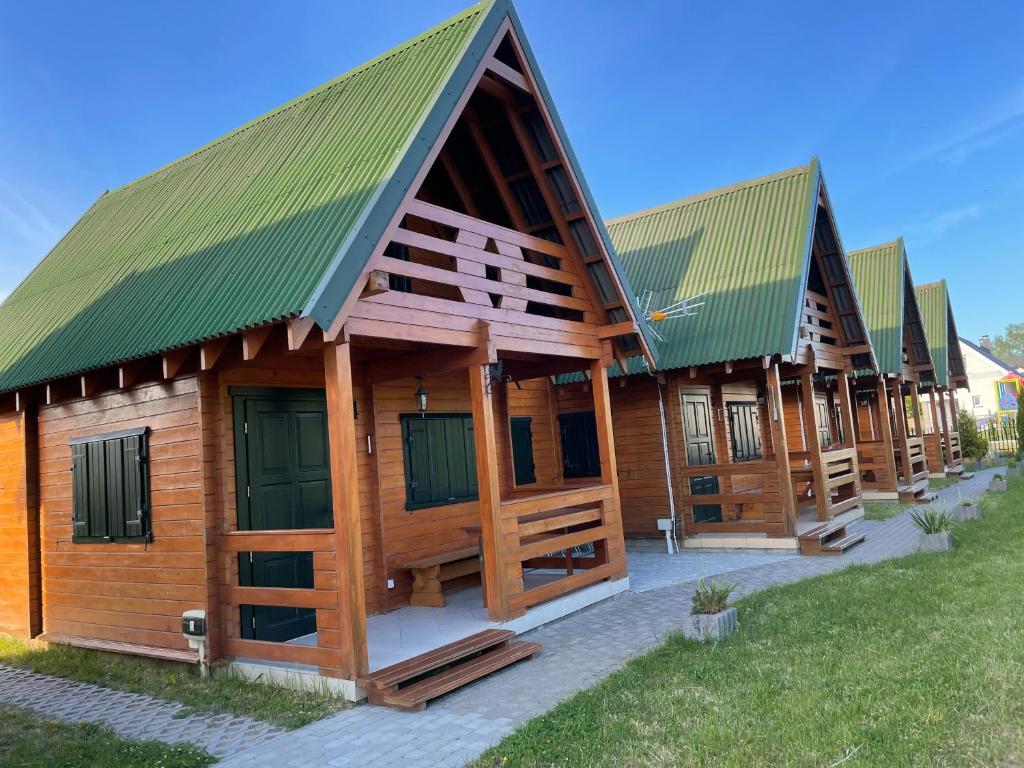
<point>683,308</point>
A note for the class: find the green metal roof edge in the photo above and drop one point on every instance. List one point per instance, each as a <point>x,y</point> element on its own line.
<point>939,286</point>
<point>909,276</point>
<point>339,279</point>
<point>904,271</point>
<point>814,185</point>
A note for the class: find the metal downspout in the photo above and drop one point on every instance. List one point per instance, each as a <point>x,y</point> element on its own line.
<point>673,546</point>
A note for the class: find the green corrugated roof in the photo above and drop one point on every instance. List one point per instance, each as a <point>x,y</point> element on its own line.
<point>246,230</point>
<point>746,247</point>
<point>940,328</point>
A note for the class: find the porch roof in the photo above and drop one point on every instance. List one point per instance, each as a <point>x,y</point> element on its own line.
<point>940,328</point>
<point>276,219</point>
<point>885,288</point>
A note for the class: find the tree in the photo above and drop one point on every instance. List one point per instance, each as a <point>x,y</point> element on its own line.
<point>972,443</point>
<point>1009,346</point>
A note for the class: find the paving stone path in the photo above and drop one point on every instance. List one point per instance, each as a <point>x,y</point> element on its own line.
<point>579,651</point>
<point>132,715</point>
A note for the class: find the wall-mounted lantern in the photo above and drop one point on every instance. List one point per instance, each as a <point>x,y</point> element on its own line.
<point>421,397</point>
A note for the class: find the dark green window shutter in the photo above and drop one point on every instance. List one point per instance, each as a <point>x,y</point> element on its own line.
<point>440,459</point>
<point>522,450</point>
<point>134,495</point>
<point>110,486</point>
<point>580,455</point>
<point>79,492</point>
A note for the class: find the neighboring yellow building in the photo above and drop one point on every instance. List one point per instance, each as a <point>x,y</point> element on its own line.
<point>995,386</point>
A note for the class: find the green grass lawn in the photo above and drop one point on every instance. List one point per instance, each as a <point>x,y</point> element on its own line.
<point>913,662</point>
<point>883,510</point>
<point>222,692</point>
<point>26,741</point>
<point>938,483</point>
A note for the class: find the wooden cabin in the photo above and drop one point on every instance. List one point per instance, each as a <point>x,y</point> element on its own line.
<point>736,441</point>
<point>269,381</point>
<point>888,415</point>
<point>942,436</point>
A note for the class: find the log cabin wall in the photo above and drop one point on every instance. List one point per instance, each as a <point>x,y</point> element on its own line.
<point>20,612</point>
<point>126,592</point>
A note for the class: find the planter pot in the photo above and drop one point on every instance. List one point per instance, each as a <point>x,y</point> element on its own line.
<point>997,485</point>
<point>1013,471</point>
<point>937,542</point>
<point>964,512</point>
<point>711,626</point>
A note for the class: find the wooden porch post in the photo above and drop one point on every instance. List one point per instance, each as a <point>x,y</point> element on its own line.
<point>609,470</point>
<point>936,435</point>
<point>20,596</point>
<point>947,445</point>
<point>954,417</point>
<point>345,497</point>
<point>886,426</point>
<point>780,445</point>
<point>918,412</point>
<point>846,411</point>
<point>485,442</point>
<point>813,445</point>
<point>900,410</point>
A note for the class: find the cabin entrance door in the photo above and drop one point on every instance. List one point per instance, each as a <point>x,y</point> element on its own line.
<point>283,482</point>
<point>700,449</point>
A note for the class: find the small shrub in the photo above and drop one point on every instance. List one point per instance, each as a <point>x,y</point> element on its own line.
<point>1012,464</point>
<point>998,476</point>
<point>711,597</point>
<point>973,444</point>
<point>932,520</point>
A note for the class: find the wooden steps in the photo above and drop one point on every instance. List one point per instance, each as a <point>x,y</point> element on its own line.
<point>918,492</point>
<point>830,538</point>
<point>410,684</point>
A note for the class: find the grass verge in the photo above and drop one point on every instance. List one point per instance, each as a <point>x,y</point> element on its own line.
<point>222,692</point>
<point>27,741</point>
<point>938,483</point>
<point>910,662</point>
<point>883,510</point>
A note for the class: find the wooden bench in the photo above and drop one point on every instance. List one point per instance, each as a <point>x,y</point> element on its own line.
<point>428,573</point>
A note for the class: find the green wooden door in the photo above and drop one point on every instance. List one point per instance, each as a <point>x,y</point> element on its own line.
<point>284,483</point>
<point>700,449</point>
<point>580,454</point>
<point>522,450</point>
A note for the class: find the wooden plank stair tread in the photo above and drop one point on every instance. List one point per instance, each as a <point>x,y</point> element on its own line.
<point>964,475</point>
<point>418,694</point>
<point>914,487</point>
<point>823,531</point>
<point>389,677</point>
<point>846,542</point>
<point>926,498</point>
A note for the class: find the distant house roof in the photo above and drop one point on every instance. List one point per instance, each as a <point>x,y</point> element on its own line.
<point>273,220</point>
<point>987,354</point>
<point>940,328</point>
<point>885,288</point>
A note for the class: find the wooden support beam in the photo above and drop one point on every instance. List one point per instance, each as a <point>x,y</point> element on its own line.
<point>253,341</point>
<point>780,446</point>
<point>497,177</point>
<point>500,576</point>
<point>128,373</point>
<point>918,412</point>
<point>509,75</point>
<point>885,425</point>
<point>430,362</point>
<point>612,517</point>
<point>954,417</point>
<point>90,384</point>
<point>947,442</point>
<point>846,410</point>
<point>174,361</point>
<point>468,203</point>
<point>345,497</point>
<point>301,328</point>
<point>728,366</point>
<point>211,351</point>
<point>900,411</point>
<point>377,282</point>
<point>693,372</point>
<point>821,497</point>
<point>624,328</point>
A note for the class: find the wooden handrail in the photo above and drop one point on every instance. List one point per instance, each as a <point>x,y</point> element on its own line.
<point>546,502</point>
<point>288,540</point>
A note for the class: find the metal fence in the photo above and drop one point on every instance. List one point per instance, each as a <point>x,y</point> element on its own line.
<point>1002,439</point>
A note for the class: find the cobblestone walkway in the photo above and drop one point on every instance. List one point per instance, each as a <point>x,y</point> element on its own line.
<point>132,715</point>
<point>579,651</point>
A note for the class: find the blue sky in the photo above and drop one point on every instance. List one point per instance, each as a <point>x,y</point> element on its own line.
<point>915,108</point>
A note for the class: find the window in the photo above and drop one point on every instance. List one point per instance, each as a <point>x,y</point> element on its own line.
<point>580,454</point>
<point>976,401</point>
<point>440,459</point>
<point>110,486</point>
<point>745,431</point>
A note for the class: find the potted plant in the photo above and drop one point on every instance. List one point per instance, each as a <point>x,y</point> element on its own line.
<point>711,617</point>
<point>998,483</point>
<point>1012,468</point>
<point>934,525</point>
<point>966,509</point>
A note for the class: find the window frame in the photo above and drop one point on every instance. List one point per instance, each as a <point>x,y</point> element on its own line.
<point>410,504</point>
<point>143,511</point>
